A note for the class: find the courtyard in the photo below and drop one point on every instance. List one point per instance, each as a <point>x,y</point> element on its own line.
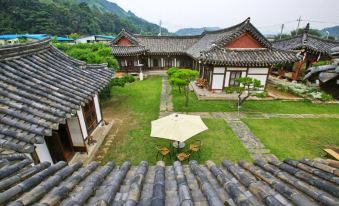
<point>281,128</point>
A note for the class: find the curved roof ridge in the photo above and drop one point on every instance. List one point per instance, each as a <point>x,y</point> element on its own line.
<point>169,37</point>
<point>24,49</point>
<point>228,28</point>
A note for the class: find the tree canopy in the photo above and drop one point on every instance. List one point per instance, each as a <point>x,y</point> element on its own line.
<point>63,17</point>
<point>182,79</point>
<point>95,53</point>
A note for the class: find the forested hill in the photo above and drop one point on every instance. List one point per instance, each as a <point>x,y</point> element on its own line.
<point>194,31</point>
<point>333,31</point>
<point>63,17</point>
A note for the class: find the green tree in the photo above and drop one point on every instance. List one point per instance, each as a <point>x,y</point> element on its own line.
<point>314,32</point>
<point>95,53</point>
<point>74,35</point>
<point>248,85</point>
<point>182,78</point>
<point>281,36</point>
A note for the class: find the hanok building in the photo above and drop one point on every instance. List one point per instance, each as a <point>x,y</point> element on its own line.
<point>220,56</point>
<point>312,48</point>
<point>274,183</point>
<point>48,101</point>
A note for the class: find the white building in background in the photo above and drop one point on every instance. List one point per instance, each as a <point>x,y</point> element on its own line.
<point>95,38</point>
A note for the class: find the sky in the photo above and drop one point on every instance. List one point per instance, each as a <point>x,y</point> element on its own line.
<point>266,15</point>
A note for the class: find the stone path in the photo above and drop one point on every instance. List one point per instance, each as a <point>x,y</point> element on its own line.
<point>166,105</point>
<point>256,115</point>
<point>253,145</point>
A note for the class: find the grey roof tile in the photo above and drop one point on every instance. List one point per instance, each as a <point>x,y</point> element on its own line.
<point>308,42</point>
<point>40,87</point>
<point>59,184</point>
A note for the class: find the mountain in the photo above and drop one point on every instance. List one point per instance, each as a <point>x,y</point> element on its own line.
<point>194,31</point>
<point>62,17</point>
<point>107,6</point>
<point>334,31</point>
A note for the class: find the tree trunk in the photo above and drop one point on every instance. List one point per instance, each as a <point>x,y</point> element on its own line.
<point>241,101</point>
<point>179,87</point>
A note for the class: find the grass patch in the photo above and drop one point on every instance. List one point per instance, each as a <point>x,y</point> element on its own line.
<point>136,105</point>
<point>265,106</point>
<point>296,138</point>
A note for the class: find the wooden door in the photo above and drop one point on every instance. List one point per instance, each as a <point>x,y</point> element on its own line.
<point>59,145</point>
<point>233,76</point>
<point>90,116</point>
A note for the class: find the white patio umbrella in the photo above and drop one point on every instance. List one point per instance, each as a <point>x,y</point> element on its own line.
<point>177,127</point>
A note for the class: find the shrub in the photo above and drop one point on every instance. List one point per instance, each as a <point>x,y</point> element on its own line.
<point>261,94</point>
<point>120,82</point>
<point>326,97</point>
<point>230,90</point>
<point>128,78</point>
<point>171,71</point>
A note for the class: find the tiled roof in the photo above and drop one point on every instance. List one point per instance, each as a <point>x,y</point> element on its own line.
<point>291,182</point>
<point>128,50</point>
<point>39,88</point>
<point>308,42</point>
<point>247,57</point>
<point>313,44</point>
<point>221,37</point>
<point>167,44</point>
<point>194,46</point>
<point>127,35</point>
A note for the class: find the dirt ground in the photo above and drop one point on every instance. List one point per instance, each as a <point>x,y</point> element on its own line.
<point>120,115</point>
<point>280,94</point>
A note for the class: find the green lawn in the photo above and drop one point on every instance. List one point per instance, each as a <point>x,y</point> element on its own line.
<point>136,105</point>
<point>295,138</point>
<point>274,106</point>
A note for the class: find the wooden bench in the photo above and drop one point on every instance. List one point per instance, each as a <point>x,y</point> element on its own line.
<point>332,153</point>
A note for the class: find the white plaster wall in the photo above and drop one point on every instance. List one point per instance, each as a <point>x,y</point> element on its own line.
<point>227,79</point>
<point>258,70</point>
<point>218,79</point>
<point>219,69</point>
<point>262,78</point>
<point>84,40</point>
<point>82,123</point>
<point>75,132</point>
<point>43,152</point>
<point>243,74</point>
<point>97,108</point>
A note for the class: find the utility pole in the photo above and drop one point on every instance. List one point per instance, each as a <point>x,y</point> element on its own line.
<point>282,28</point>
<point>299,20</point>
<point>160,23</point>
